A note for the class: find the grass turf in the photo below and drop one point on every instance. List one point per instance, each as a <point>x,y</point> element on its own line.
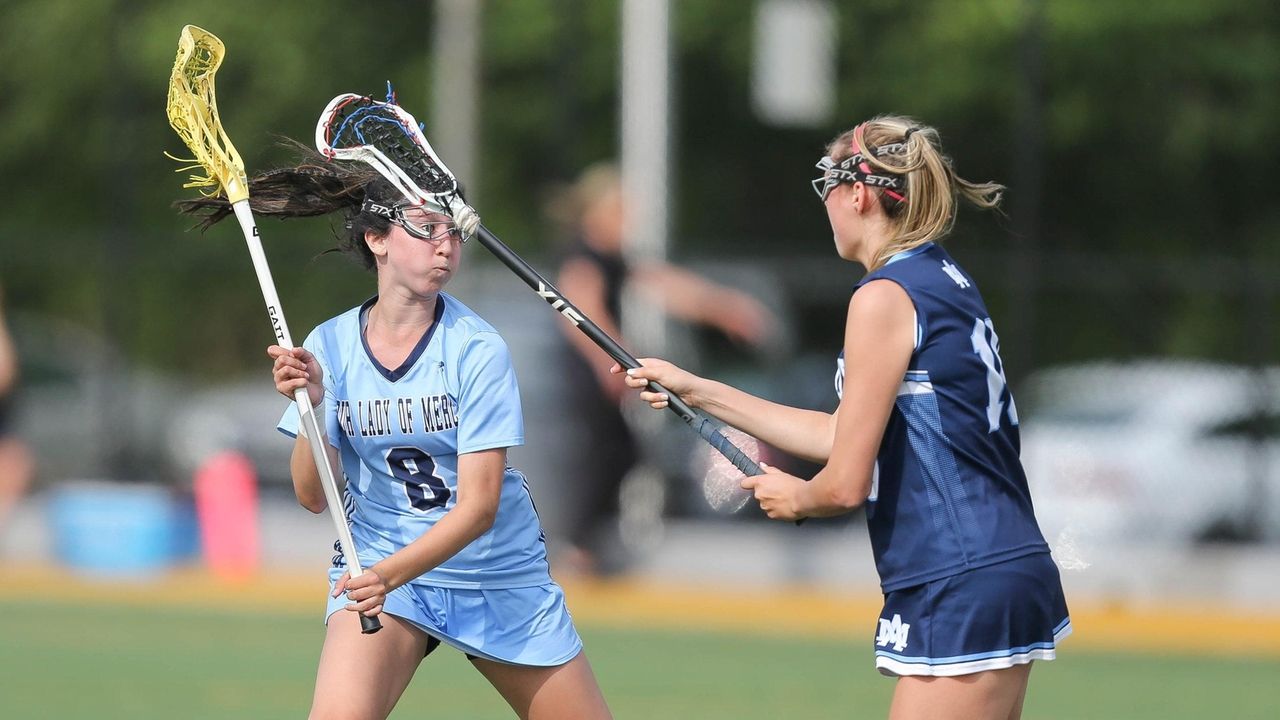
<point>106,661</point>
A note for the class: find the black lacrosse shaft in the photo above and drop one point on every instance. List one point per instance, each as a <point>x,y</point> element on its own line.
<point>548,292</point>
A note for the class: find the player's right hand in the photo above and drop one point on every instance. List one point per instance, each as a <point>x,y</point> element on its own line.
<point>367,592</point>
<point>671,377</point>
<point>295,368</point>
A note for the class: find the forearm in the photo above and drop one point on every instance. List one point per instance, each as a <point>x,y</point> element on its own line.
<point>8,361</point>
<point>306,478</point>
<point>833,491</point>
<point>479,493</point>
<point>451,533</point>
<point>804,433</point>
<point>681,293</point>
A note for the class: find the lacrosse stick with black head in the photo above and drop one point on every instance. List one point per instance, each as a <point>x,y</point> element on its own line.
<point>384,135</point>
<point>193,113</point>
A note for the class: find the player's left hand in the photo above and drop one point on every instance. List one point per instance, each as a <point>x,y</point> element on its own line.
<point>367,592</point>
<point>776,492</point>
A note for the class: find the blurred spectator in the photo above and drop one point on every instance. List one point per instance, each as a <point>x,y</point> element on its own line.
<point>592,275</point>
<point>15,460</point>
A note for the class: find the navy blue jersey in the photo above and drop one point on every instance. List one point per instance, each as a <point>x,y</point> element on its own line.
<point>949,493</point>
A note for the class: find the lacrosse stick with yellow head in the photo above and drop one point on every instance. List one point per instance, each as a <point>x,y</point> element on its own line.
<point>193,113</point>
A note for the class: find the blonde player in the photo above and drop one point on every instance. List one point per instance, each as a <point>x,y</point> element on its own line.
<point>925,436</point>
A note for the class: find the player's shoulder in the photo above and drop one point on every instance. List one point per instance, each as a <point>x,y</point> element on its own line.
<point>464,324</point>
<point>337,339</point>
<point>460,319</point>
<point>878,292</point>
<point>880,301</point>
<point>336,326</point>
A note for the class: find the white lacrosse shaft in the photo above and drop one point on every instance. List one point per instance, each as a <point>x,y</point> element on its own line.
<point>306,415</point>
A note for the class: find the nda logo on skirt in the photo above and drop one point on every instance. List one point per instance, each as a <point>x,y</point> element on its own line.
<point>893,631</point>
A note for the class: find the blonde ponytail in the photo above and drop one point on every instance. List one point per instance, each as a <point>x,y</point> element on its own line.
<point>928,210</point>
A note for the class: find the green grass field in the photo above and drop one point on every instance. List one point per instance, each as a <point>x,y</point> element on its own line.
<point>67,661</point>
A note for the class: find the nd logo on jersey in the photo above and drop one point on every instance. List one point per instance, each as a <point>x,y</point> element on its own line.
<point>893,631</point>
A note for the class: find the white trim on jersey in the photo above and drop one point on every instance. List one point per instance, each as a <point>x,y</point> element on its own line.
<point>912,387</point>
<point>916,382</point>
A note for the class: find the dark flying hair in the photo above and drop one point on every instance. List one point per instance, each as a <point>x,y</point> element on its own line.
<point>314,186</point>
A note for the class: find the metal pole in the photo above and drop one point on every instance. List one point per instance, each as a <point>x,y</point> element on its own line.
<point>1027,191</point>
<point>117,426</point>
<point>1259,339</point>
<point>455,82</point>
<point>566,83</point>
<point>646,146</point>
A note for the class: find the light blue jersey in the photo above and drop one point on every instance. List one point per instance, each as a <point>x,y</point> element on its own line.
<point>399,433</point>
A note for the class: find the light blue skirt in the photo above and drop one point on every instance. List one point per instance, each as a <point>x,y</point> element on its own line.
<point>518,626</point>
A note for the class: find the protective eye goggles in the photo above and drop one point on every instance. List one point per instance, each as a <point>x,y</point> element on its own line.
<point>854,169</point>
<point>434,232</point>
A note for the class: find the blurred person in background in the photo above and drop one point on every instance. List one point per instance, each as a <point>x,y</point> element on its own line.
<point>926,435</point>
<point>446,528</point>
<point>592,275</point>
<point>16,464</point>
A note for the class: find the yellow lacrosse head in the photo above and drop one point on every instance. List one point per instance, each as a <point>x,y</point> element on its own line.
<point>193,113</point>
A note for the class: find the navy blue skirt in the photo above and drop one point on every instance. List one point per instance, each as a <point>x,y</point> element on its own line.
<point>989,618</point>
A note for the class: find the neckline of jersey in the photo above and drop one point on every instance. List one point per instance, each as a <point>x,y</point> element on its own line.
<point>423,342</point>
<point>909,253</point>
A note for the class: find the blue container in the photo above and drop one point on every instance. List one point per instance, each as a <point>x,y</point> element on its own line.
<point>186,530</point>
<point>115,529</point>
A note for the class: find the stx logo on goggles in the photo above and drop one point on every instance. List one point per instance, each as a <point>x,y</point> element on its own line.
<point>878,180</point>
<point>855,168</point>
<point>383,210</point>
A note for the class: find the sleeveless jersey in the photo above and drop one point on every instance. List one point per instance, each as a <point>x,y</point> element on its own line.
<point>613,270</point>
<point>399,433</point>
<point>949,492</point>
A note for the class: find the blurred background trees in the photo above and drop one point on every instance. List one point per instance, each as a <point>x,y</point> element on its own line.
<point>1139,141</point>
